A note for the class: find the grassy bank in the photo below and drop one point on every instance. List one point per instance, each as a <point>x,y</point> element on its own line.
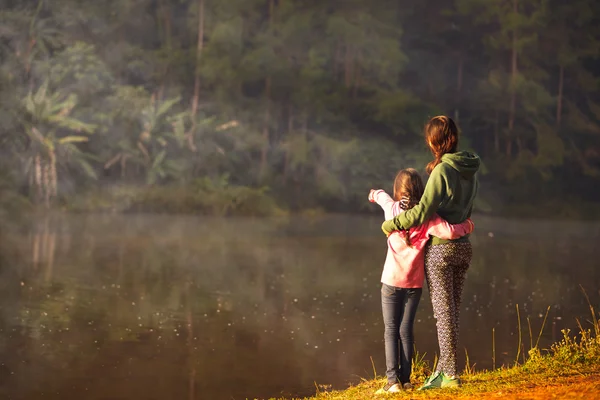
<point>569,369</point>
<point>508,383</point>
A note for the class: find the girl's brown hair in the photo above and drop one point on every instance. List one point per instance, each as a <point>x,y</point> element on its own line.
<point>408,189</point>
<point>441,136</point>
<point>408,185</point>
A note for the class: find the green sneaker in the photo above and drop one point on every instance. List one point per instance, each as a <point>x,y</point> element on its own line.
<point>429,378</point>
<point>439,380</point>
<point>433,382</point>
<point>448,382</point>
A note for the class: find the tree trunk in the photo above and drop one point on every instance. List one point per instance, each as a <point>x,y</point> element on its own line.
<point>32,41</point>
<point>265,136</point>
<point>53,176</point>
<point>348,66</point>
<point>290,129</point>
<point>560,96</point>
<point>196,97</point>
<point>336,61</point>
<point>459,83</point>
<point>496,133</point>
<point>357,75</point>
<point>158,18</point>
<point>164,13</point>
<point>513,84</point>
<point>167,17</point>
<point>46,183</point>
<point>305,131</point>
<point>39,191</point>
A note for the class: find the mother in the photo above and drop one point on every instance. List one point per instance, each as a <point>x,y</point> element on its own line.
<point>450,191</point>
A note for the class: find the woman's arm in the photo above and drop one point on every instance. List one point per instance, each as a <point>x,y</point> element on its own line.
<point>434,193</point>
<point>439,227</point>
<point>384,200</point>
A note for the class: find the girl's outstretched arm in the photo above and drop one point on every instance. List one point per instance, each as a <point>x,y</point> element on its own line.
<point>388,204</point>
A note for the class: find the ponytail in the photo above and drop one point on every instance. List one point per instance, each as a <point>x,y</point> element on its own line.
<point>408,189</point>
<point>406,203</point>
<point>432,164</point>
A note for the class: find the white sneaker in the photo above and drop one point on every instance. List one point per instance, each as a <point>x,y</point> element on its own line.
<point>389,388</point>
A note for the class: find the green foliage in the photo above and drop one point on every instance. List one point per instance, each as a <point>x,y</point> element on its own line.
<point>49,142</point>
<point>222,198</point>
<point>53,109</point>
<point>571,350</point>
<point>316,102</point>
<point>202,197</point>
<point>77,69</point>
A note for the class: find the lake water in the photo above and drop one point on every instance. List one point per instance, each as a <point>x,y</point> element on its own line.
<point>177,307</point>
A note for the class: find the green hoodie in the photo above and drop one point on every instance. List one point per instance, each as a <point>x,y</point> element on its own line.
<point>449,192</point>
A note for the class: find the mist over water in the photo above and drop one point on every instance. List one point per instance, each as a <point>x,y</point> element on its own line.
<point>105,306</point>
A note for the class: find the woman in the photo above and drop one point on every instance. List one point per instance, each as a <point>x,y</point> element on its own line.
<point>450,192</point>
<point>403,274</point>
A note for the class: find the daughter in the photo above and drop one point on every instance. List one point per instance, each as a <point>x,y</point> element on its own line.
<point>403,274</point>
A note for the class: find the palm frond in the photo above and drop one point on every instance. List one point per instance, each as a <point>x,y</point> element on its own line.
<point>166,106</point>
<point>73,124</point>
<point>73,139</point>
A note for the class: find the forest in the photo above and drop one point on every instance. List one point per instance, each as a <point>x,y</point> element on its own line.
<point>260,107</point>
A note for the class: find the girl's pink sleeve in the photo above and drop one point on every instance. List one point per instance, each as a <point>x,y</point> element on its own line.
<point>386,202</point>
<point>439,227</point>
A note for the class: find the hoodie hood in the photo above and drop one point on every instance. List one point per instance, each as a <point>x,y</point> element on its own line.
<point>465,162</point>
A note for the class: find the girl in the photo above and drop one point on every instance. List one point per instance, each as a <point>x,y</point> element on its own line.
<point>450,192</point>
<point>402,277</point>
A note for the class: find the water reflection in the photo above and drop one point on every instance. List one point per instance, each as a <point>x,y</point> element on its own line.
<point>155,307</point>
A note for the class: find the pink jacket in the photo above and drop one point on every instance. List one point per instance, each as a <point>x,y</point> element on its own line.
<point>404,265</point>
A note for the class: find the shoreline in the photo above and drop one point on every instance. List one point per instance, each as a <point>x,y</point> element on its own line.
<point>569,369</point>
<point>510,383</point>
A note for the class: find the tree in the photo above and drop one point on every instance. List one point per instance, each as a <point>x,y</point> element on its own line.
<point>514,28</point>
<point>200,45</point>
<point>47,124</point>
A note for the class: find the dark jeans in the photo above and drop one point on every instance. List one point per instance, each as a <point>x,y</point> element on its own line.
<point>399,307</point>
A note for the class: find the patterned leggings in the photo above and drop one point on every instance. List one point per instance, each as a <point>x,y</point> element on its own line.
<point>446,267</point>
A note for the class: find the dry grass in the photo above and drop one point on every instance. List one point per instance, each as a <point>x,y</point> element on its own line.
<point>569,370</point>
